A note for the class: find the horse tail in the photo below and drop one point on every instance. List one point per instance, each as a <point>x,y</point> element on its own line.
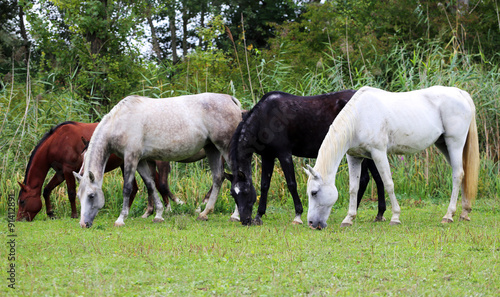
<point>470,158</point>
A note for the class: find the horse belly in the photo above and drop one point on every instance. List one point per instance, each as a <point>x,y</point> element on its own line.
<point>412,141</point>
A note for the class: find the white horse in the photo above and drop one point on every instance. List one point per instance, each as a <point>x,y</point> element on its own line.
<point>374,123</point>
<point>139,129</point>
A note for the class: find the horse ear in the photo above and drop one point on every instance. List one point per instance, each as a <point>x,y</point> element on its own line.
<point>77,176</point>
<point>228,176</point>
<point>23,186</point>
<point>91,176</point>
<point>312,173</point>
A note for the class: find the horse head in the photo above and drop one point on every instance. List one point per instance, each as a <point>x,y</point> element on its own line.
<point>29,203</point>
<point>91,197</point>
<point>244,194</point>
<point>322,196</point>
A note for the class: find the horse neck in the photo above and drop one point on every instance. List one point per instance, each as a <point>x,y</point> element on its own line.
<point>38,167</point>
<point>96,157</point>
<point>337,142</point>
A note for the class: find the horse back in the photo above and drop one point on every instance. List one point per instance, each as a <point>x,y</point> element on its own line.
<point>298,124</point>
<point>177,126</point>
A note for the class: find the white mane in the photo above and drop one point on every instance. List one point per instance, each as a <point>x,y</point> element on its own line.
<point>339,136</point>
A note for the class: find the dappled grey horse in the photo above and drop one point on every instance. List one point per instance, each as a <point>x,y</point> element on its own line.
<point>141,129</point>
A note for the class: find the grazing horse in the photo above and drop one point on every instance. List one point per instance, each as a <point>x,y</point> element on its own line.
<point>140,129</point>
<point>281,125</point>
<point>61,149</point>
<point>375,123</point>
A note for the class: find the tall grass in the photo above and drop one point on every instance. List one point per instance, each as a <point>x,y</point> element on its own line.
<point>29,109</point>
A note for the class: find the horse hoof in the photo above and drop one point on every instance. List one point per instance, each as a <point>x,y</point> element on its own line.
<point>257,222</point>
<point>464,218</point>
<point>296,223</point>
<point>121,224</point>
<point>345,225</point>
<point>379,219</point>
<point>234,219</point>
<point>446,221</point>
<point>73,216</point>
<point>158,220</point>
<point>394,223</point>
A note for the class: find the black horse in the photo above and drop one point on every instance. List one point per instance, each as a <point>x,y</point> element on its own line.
<point>278,126</point>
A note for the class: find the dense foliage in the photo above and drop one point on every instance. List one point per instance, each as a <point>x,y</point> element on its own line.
<point>72,60</point>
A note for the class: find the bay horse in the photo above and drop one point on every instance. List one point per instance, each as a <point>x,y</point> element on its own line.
<point>278,126</point>
<point>141,129</point>
<point>61,149</point>
<point>375,123</point>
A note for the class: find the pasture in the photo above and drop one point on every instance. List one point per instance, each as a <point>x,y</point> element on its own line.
<point>192,258</point>
<point>183,256</point>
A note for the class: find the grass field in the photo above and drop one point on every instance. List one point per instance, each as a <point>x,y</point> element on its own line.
<point>186,257</point>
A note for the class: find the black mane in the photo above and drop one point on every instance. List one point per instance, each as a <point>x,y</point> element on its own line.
<point>233,146</point>
<point>44,138</point>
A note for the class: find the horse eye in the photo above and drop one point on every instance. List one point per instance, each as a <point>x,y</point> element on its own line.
<point>91,196</point>
<point>22,202</point>
<point>314,193</point>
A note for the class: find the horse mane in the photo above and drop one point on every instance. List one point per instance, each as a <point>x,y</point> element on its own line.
<point>44,138</point>
<point>339,136</point>
<point>246,117</point>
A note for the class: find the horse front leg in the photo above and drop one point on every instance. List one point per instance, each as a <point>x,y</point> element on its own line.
<point>215,162</point>
<point>71,186</point>
<point>354,177</point>
<point>265,183</point>
<point>147,177</point>
<point>56,180</point>
<point>128,180</point>
<point>384,169</point>
<point>289,171</point>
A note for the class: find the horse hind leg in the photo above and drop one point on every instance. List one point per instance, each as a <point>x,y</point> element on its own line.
<point>369,165</point>
<point>289,171</point>
<point>215,162</point>
<point>454,157</point>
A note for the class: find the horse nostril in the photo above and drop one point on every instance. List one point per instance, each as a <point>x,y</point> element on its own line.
<point>88,225</point>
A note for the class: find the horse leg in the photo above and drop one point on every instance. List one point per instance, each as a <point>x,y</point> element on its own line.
<point>370,165</point>
<point>71,186</point>
<point>147,177</point>
<point>354,181</point>
<point>289,171</point>
<point>56,180</point>
<point>384,169</point>
<point>454,156</point>
<point>130,166</point>
<point>161,181</point>
<point>214,160</point>
<point>265,183</point>
<point>207,195</point>
<point>134,190</point>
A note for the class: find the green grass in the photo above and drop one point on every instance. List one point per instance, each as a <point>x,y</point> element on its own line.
<point>186,257</point>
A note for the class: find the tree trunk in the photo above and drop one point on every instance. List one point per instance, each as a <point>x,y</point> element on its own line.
<point>173,37</point>
<point>185,19</point>
<point>202,22</point>
<point>154,37</point>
